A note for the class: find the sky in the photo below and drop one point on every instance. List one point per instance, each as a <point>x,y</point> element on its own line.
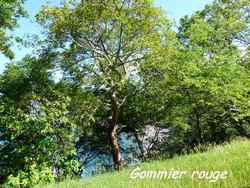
<point>175,9</point>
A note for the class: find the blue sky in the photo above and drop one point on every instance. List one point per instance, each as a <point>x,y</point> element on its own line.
<point>175,9</point>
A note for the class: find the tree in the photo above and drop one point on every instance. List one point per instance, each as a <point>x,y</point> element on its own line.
<point>214,41</point>
<point>203,85</point>
<point>10,11</point>
<point>99,43</point>
<point>38,134</point>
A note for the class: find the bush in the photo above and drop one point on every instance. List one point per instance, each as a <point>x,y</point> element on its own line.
<point>41,174</point>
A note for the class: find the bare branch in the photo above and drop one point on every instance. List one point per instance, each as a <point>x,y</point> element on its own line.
<point>120,43</point>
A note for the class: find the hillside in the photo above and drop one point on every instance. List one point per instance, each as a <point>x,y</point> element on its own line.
<point>226,166</point>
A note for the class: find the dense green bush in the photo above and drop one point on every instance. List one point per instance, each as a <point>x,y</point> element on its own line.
<point>34,175</point>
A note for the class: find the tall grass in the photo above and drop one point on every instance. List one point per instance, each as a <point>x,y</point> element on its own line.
<point>233,158</point>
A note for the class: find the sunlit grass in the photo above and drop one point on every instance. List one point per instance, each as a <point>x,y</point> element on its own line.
<point>233,158</point>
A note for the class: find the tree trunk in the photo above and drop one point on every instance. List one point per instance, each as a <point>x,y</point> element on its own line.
<point>115,110</point>
<point>115,148</point>
<point>196,138</point>
<point>140,144</point>
<point>198,130</point>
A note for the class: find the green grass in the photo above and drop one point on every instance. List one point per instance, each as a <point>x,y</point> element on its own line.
<point>233,158</point>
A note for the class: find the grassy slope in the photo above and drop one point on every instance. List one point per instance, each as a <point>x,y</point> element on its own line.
<point>234,158</point>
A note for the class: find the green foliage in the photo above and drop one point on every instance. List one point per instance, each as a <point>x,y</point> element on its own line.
<point>43,135</point>
<point>34,175</point>
<point>10,11</point>
<point>105,38</point>
<point>199,86</point>
<point>210,78</point>
<point>36,127</point>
